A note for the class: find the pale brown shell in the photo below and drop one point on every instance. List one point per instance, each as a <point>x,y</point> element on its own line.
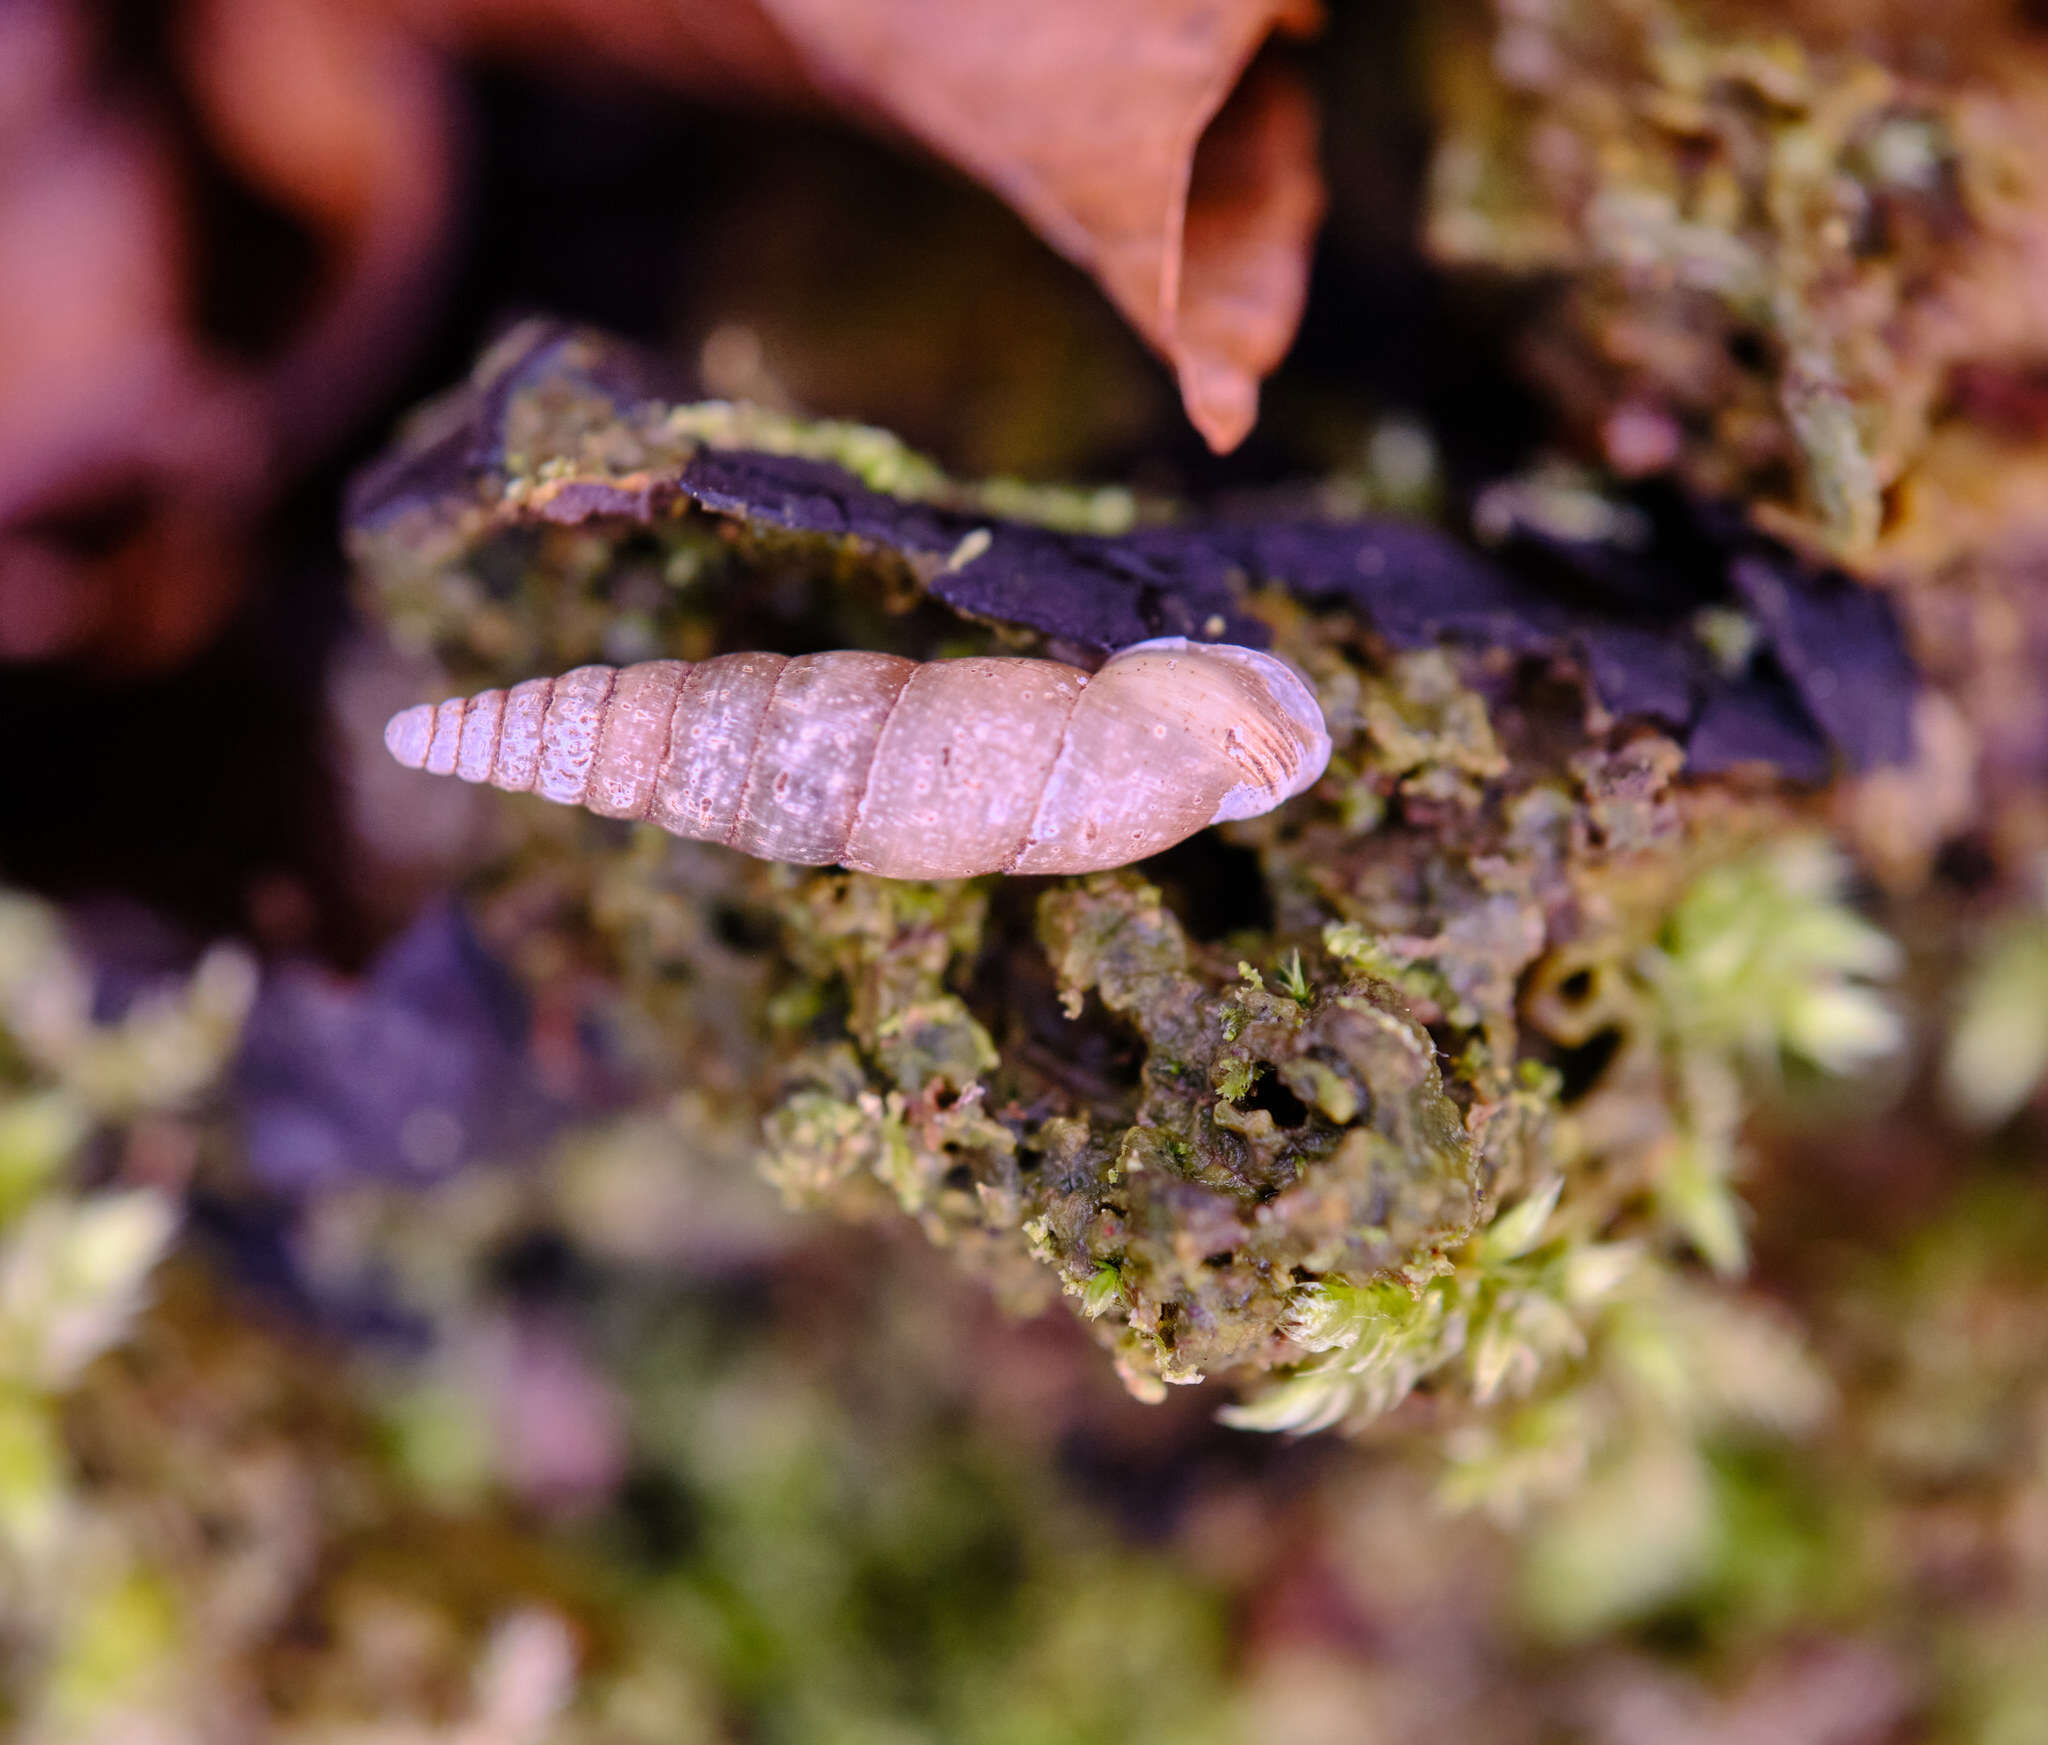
<point>944,769</point>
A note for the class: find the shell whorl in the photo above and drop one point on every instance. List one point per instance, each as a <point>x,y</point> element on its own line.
<point>944,769</point>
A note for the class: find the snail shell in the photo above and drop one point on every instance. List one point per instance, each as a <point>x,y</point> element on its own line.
<point>933,770</point>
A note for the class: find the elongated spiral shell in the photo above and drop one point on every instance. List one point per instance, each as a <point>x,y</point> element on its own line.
<point>941,769</point>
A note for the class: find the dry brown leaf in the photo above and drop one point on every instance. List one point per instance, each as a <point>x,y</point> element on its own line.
<point>1253,211</point>
<point>1111,128</point>
<point>141,439</point>
<point>1087,118</point>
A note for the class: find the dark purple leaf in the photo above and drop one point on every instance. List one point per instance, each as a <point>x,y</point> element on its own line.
<point>1841,646</point>
<point>1756,721</point>
<point>410,1073</point>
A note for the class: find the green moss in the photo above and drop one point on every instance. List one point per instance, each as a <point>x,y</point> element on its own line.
<point>1997,1051</point>
<point>1278,1155</point>
<point>1762,227</point>
<point>87,1620</point>
<point>121,1639</point>
<point>1183,1223</point>
<point>869,1565</point>
<point>1208,1146</point>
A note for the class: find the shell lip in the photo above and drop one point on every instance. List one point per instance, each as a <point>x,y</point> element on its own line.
<point>1287,687</point>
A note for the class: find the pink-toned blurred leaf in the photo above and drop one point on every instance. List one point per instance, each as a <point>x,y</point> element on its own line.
<point>125,453</point>
<point>135,452</point>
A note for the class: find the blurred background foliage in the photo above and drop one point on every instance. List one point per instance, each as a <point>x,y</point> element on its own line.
<point>1544,1239</point>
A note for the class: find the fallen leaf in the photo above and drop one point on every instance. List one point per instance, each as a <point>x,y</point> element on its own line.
<point>158,388</point>
<point>1128,137</point>
<point>1253,210</point>
<point>1091,120</point>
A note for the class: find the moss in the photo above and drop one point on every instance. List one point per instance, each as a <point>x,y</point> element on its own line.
<point>1501,957</point>
<point>1199,1144</point>
<point>1181,1227</point>
<point>90,1629</point>
<point>1997,1050</point>
<point>1778,239</point>
<point>1211,1207</point>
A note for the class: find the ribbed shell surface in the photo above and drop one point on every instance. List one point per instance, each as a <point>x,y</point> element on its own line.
<point>942,770</point>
